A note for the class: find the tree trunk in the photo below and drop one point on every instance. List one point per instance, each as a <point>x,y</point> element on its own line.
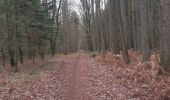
<point>122,34</point>
<point>113,28</point>
<point>21,55</point>
<point>145,30</point>
<point>3,56</point>
<point>165,35</point>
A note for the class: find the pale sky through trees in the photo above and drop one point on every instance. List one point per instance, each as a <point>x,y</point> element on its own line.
<point>75,4</point>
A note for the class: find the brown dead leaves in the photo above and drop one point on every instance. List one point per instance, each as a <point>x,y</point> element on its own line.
<point>144,80</point>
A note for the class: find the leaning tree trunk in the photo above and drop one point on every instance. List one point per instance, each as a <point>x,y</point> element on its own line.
<point>122,34</point>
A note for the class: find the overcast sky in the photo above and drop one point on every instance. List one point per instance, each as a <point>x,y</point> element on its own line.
<point>75,5</point>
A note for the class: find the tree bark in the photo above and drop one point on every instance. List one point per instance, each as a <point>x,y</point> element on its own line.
<point>145,30</point>
<point>3,56</point>
<point>164,34</point>
<point>122,34</point>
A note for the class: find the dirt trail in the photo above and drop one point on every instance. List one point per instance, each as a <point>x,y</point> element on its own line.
<point>72,89</point>
<point>78,77</point>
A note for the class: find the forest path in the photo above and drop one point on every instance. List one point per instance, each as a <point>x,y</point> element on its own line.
<point>78,77</point>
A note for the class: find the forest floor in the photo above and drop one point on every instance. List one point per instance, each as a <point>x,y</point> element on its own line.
<point>83,76</point>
